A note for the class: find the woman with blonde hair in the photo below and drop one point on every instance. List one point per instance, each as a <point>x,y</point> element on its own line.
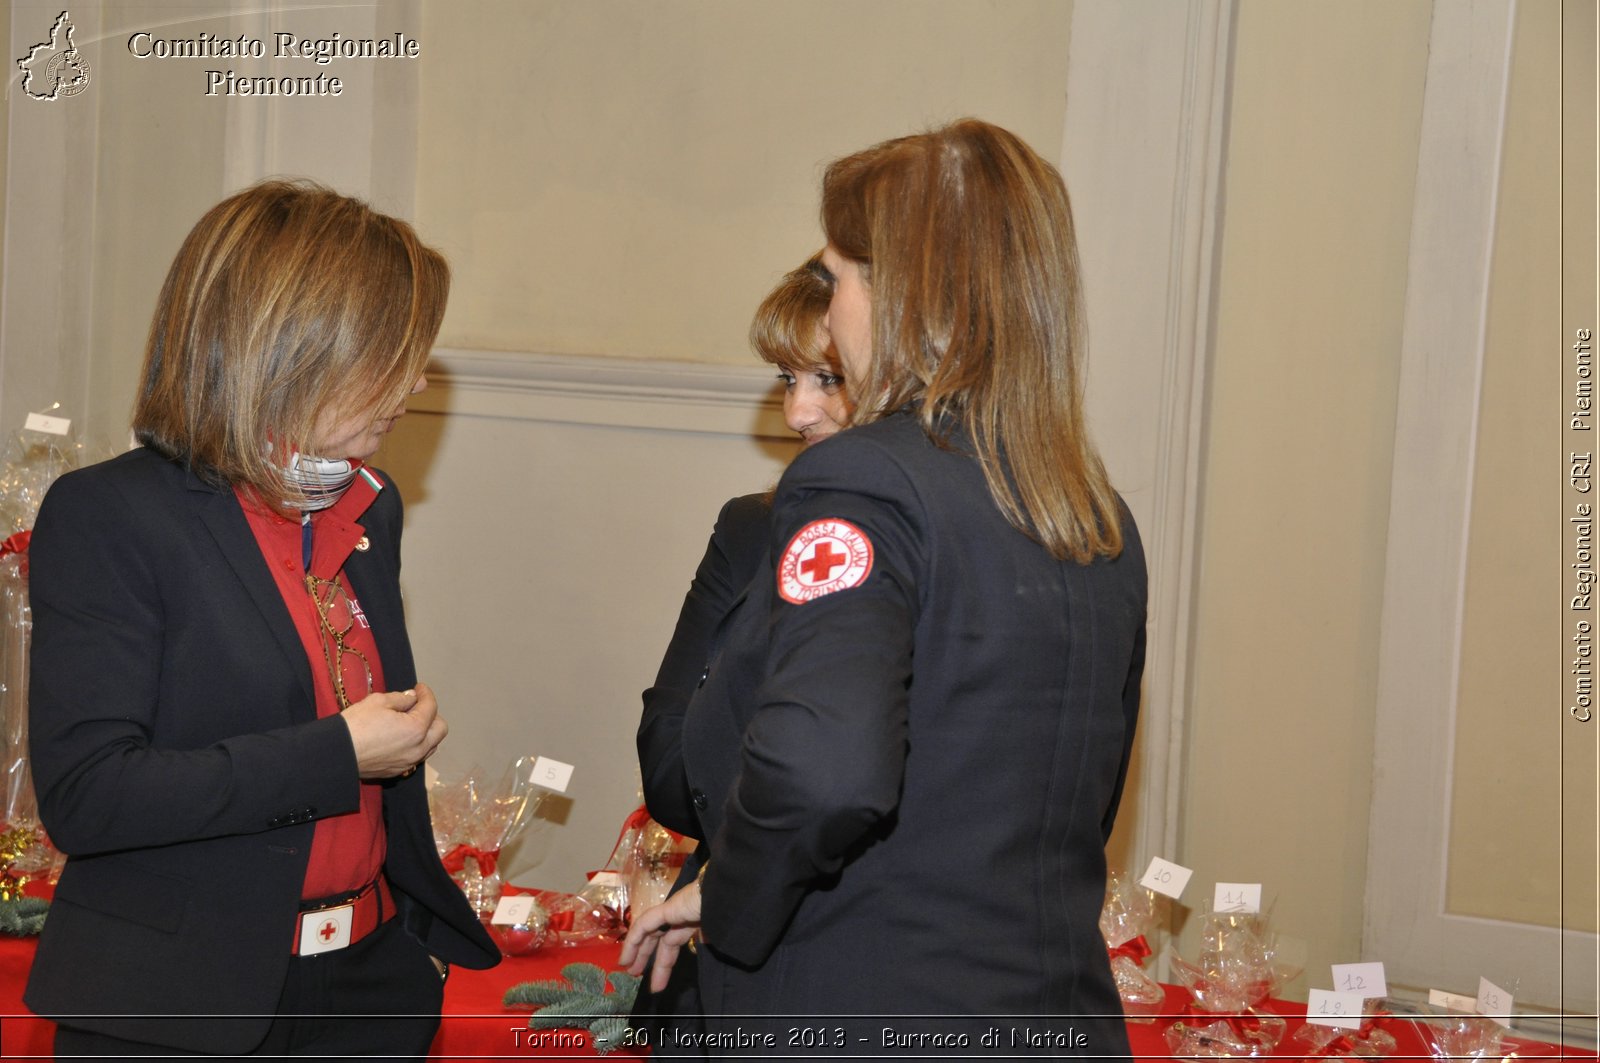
<point>907,802</point>
<point>225,719</point>
<point>786,333</point>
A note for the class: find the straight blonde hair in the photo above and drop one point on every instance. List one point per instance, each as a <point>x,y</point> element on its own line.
<point>965,237</point>
<point>285,302</point>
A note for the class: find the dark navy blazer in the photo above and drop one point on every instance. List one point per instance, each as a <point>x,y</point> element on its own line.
<point>907,786</point>
<point>179,760</point>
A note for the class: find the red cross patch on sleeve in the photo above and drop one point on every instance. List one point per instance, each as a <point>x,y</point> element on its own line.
<point>823,557</point>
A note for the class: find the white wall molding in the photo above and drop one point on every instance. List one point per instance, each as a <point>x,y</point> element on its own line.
<point>1143,157</point>
<point>1442,356</point>
<point>616,392</point>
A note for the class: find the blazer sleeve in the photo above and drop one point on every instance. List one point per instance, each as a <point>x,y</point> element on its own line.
<point>824,752</point>
<point>738,544</point>
<point>96,696</point>
<point>1132,687</point>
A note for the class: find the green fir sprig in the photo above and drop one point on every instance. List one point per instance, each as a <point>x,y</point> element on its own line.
<point>578,1000</point>
<point>23,916</point>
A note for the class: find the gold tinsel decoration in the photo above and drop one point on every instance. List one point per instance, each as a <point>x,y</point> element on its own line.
<point>13,844</point>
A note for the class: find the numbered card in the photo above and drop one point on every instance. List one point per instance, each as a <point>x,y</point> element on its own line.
<point>1364,979</point>
<point>43,422</point>
<point>551,774</point>
<point>1493,1002</point>
<point>514,910</point>
<point>1166,878</point>
<point>1454,1001</point>
<point>1324,1008</point>
<point>1242,897</point>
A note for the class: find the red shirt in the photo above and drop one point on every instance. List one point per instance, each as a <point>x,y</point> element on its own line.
<point>346,850</point>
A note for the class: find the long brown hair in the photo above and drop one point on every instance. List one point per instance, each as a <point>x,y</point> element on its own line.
<point>965,237</point>
<point>286,301</point>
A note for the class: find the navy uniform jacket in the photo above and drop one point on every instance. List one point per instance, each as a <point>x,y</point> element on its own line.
<point>908,784</point>
<point>179,760</point>
<point>736,553</point>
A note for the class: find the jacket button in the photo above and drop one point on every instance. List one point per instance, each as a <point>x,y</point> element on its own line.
<point>704,675</point>
<point>701,802</point>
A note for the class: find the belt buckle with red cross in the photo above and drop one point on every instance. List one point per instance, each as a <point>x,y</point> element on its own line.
<point>326,929</point>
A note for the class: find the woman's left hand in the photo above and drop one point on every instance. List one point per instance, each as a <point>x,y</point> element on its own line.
<point>662,930</point>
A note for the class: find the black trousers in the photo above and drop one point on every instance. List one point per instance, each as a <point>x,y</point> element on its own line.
<point>377,999</point>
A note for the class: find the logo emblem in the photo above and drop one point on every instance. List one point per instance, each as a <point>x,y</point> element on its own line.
<point>327,930</point>
<point>55,68</point>
<point>823,557</point>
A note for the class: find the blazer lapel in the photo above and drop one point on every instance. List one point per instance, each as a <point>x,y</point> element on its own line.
<point>219,511</point>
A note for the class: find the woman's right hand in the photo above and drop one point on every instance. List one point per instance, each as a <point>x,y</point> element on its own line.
<point>658,934</point>
<point>394,732</point>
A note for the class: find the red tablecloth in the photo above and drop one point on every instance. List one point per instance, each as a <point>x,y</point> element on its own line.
<point>476,1026</point>
<point>1149,1041</point>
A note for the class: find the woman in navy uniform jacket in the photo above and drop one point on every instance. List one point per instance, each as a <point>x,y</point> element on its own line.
<point>787,333</point>
<point>909,755</point>
<point>225,749</point>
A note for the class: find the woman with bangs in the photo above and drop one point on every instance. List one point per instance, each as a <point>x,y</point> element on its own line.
<point>225,719</point>
<point>912,761</point>
<point>787,332</point>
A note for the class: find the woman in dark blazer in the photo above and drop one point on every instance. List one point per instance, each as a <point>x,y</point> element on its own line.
<point>225,717</point>
<point>913,743</point>
<point>787,333</point>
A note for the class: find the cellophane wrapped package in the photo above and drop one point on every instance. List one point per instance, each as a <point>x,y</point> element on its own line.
<point>1129,919</point>
<point>1234,973</point>
<point>474,818</point>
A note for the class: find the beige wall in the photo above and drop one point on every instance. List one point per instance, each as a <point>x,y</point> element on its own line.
<point>5,112</point>
<point>625,177</point>
<point>631,182</point>
<point>1321,161</point>
<point>1505,864</point>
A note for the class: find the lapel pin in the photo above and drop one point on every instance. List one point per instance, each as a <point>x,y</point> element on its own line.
<point>363,543</point>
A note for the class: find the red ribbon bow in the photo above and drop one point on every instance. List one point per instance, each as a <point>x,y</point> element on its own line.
<point>1135,949</point>
<point>1246,1024</point>
<point>636,820</point>
<point>16,544</point>
<point>1349,1040</point>
<point>456,859</point>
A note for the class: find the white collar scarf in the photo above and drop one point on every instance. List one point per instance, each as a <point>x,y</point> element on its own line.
<point>322,481</point>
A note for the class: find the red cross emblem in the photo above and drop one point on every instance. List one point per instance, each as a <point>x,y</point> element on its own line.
<point>328,931</point>
<point>820,565</point>
<point>823,557</point>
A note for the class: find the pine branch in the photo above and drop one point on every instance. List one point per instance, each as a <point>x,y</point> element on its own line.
<point>23,916</point>
<point>578,1000</point>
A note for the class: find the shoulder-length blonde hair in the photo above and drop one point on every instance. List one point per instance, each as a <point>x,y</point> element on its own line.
<point>287,301</point>
<point>965,237</point>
